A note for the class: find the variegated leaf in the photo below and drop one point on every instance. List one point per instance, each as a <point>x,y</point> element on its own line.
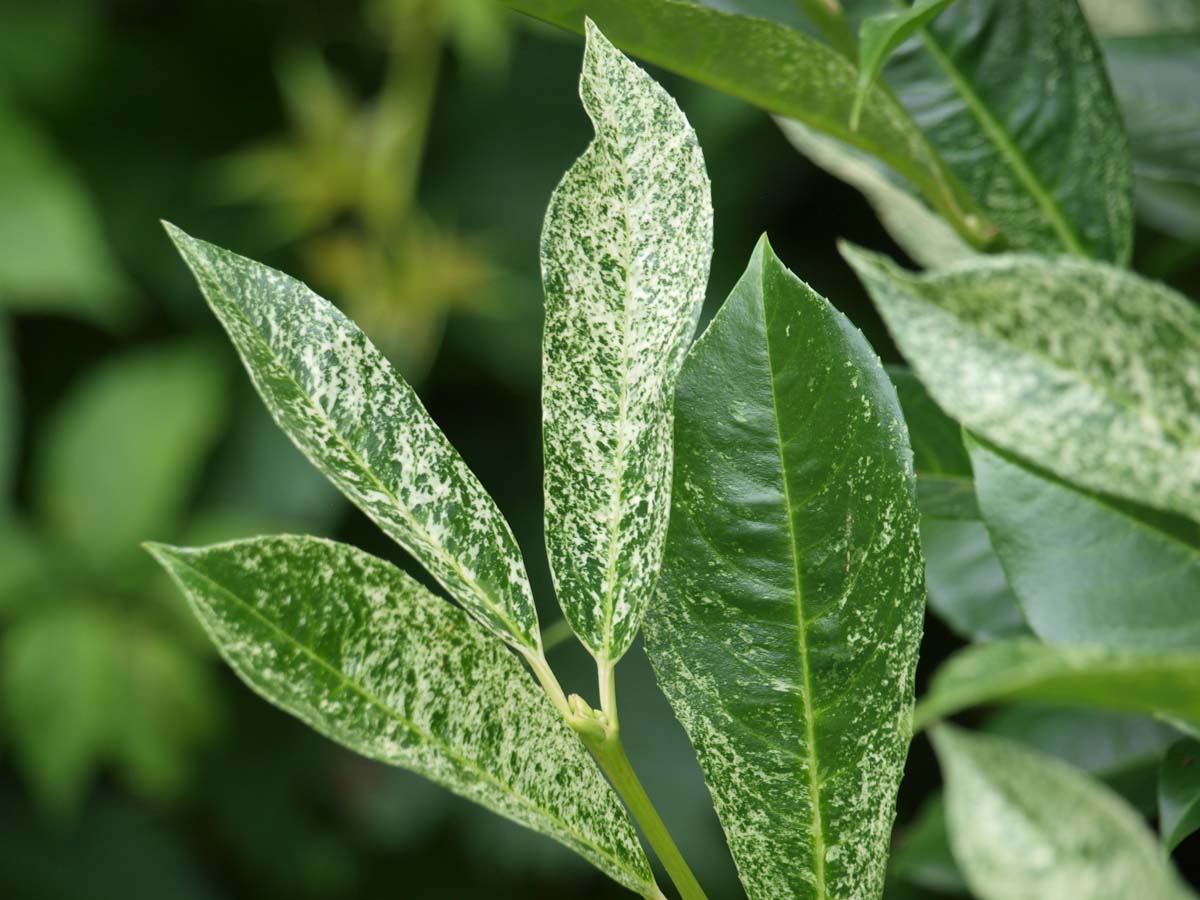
<point>344,406</point>
<point>1023,824</point>
<point>1082,368</point>
<point>364,654</point>
<point>789,614</point>
<point>625,254</point>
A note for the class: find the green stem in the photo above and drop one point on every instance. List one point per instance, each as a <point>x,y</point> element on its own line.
<point>610,754</point>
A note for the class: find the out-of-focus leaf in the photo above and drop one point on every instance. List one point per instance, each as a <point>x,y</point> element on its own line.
<point>1155,80</point>
<point>625,254</point>
<point>1179,793</point>
<point>28,566</point>
<point>945,487</point>
<point>9,417</point>
<point>1121,749</point>
<point>53,254</point>
<point>1087,570</point>
<point>364,654</point>
<point>1014,96</point>
<point>967,587</point>
<point>781,70</point>
<point>1023,824</point>
<point>879,36</point>
<point>786,629</point>
<point>82,689</point>
<point>1124,751</point>
<point>1081,368</point>
<point>1130,17</point>
<point>365,429</point>
<point>1163,683</point>
<point>120,456</point>
<point>43,46</point>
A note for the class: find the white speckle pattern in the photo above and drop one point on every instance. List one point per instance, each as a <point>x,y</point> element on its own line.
<point>625,254</point>
<point>789,613</point>
<point>365,655</point>
<point>1082,368</point>
<point>342,404</point>
<point>1023,824</point>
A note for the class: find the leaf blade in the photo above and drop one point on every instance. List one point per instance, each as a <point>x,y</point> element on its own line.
<point>1161,683</point>
<point>1081,368</point>
<point>747,636</point>
<point>1023,824</point>
<point>357,421</point>
<point>625,254</point>
<point>1179,793</point>
<point>363,654</point>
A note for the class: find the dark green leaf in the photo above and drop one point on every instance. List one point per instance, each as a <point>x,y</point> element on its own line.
<point>1087,570</point>
<point>340,401</point>
<point>1014,96</point>
<point>779,69</point>
<point>922,855</point>
<point>119,458</point>
<point>1081,368</point>
<point>1179,793</point>
<point>364,654</point>
<point>790,608</point>
<point>9,417</point>
<point>1163,683</point>
<point>1023,824</point>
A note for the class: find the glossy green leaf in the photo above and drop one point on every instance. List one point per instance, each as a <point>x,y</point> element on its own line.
<point>1179,793</point>
<point>120,456</point>
<point>368,657</point>
<point>53,254</point>
<point>1087,570</point>
<point>925,236</point>
<point>1155,80</point>
<point>786,629</point>
<point>1081,368</point>
<point>1014,96</point>
<point>879,36</point>
<point>781,70</point>
<point>625,254</point>
<point>1023,824</point>
<point>343,405</point>
<point>1163,683</point>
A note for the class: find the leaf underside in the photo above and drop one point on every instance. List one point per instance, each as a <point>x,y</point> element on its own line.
<point>365,655</point>
<point>789,613</point>
<point>365,429</point>
<point>625,254</point>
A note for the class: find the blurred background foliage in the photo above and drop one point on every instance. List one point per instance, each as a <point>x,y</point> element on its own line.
<point>398,155</point>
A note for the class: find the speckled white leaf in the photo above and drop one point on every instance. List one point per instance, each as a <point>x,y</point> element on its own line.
<point>1023,824</point>
<point>343,405</point>
<point>1084,369</point>
<point>625,254</point>
<point>789,613</point>
<point>364,654</point>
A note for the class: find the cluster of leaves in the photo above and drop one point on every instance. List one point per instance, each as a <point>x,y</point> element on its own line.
<point>752,499</point>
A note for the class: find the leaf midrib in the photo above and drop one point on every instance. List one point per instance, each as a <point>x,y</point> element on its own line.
<point>1003,142</point>
<point>817,827</point>
<point>388,711</point>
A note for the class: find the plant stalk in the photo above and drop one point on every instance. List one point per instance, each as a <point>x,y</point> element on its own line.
<point>610,754</point>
